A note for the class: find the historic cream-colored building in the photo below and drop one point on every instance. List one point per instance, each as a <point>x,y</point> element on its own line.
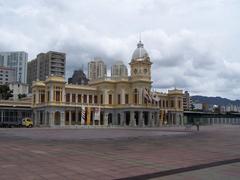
<point>123,101</point>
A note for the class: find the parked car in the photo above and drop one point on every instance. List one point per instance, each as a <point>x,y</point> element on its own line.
<point>27,122</point>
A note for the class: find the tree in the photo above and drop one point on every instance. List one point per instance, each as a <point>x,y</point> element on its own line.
<point>20,96</point>
<point>5,92</point>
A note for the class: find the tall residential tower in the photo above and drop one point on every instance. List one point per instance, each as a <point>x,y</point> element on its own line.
<point>119,70</point>
<point>46,64</point>
<point>96,69</point>
<point>18,61</point>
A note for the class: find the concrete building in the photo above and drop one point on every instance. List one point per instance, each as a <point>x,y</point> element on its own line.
<point>108,101</point>
<point>198,106</point>
<point>119,70</point>
<point>18,61</point>
<point>187,101</point>
<point>7,75</point>
<point>14,111</point>
<point>78,77</point>
<point>18,88</point>
<point>46,64</point>
<point>96,69</point>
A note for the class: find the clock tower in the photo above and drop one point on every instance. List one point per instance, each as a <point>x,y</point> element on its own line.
<point>140,64</point>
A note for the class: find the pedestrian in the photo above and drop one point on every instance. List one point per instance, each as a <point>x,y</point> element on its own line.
<point>197,124</point>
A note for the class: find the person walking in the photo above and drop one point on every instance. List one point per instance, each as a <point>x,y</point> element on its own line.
<point>197,124</point>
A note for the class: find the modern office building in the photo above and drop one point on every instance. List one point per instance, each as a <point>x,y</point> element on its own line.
<point>96,69</point>
<point>46,64</point>
<point>105,101</point>
<point>119,70</point>
<point>7,75</point>
<point>18,61</point>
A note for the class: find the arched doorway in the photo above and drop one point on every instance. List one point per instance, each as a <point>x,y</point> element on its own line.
<point>180,119</point>
<point>57,118</point>
<point>127,118</point>
<point>110,118</point>
<point>119,119</point>
<point>136,117</point>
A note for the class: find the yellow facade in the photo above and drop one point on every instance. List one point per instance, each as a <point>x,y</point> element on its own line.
<point>123,101</point>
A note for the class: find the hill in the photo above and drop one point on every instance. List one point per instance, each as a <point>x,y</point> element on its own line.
<point>215,100</point>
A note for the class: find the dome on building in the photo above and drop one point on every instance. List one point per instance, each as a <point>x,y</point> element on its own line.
<point>140,53</point>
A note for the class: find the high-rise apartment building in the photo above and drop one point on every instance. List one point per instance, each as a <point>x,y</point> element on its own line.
<point>46,64</point>
<point>187,101</point>
<point>18,61</point>
<point>119,70</point>
<point>96,69</point>
<point>7,75</point>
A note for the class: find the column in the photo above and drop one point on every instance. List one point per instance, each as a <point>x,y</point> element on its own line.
<point>177,119</point>
<point>123,96</point>
<point>51,93</point>
<point>70,117</point>
<point>77,117</point>
<point>122,119</point>
<point>105,119</point>
<point>175,104</point>
<point>1,118</point>
<point>140,96</point>
<point>157,119</point>
<point>37,97</point>
<point>70,97</point>
<point>140,119</point>
<point>132,119</point>
<point>38,117</point>
<point>51,118</point>
<point>34,118</point>
<point>150,119</point>
<point>87,98</point>
<point>114,118</point>
<point>63,95</point>
<point>62,118</point>
<point>153,116</point>
<point>44,118</point>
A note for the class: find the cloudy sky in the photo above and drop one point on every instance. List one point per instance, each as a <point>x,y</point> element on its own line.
<point>193,44</point>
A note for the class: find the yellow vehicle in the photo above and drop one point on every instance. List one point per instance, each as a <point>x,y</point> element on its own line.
<point>27,122</point>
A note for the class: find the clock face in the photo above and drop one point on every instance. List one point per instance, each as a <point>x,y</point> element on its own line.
<point>135,71</point>
<point>145,71</point>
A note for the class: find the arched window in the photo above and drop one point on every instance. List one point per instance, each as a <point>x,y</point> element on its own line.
<point>110,99</point>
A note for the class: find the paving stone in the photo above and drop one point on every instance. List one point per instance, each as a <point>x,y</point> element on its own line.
<point>44,153</point>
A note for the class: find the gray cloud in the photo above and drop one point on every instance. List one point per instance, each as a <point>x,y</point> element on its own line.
<point>193,44</point>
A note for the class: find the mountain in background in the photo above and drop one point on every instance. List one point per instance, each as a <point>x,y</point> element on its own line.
<point>215,100</point>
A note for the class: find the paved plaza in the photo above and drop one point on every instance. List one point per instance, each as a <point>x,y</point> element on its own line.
<point>120,153</point>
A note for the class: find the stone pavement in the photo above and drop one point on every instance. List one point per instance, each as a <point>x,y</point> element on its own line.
<point>116,153</point>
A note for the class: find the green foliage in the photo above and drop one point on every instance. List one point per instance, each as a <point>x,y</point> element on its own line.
<point>20,96</point>
<point>5,92</point>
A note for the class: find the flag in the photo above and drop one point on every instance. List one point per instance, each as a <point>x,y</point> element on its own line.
<point>155,96</point>
<point>147,95</point>
<point>83,115</point>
